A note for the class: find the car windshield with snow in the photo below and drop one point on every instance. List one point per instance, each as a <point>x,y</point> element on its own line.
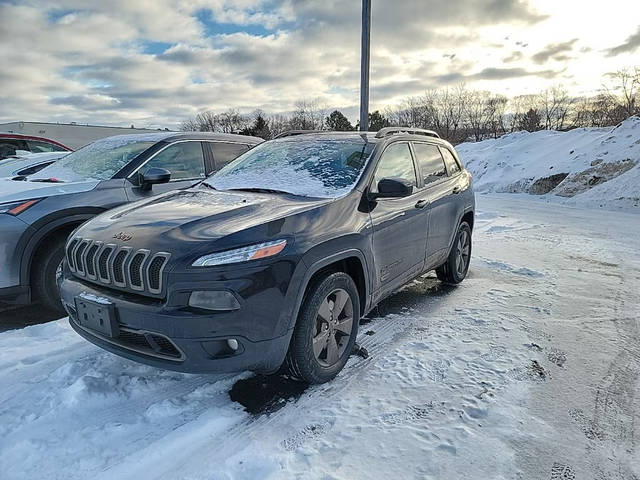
<point>99,160</point>
<point>271,262</point>
<point>314,168</point>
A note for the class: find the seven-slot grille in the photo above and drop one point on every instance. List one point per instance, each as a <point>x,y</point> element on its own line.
<point>123,267</point>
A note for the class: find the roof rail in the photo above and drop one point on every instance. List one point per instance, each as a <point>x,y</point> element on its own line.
<point>291,133</point>
<point>383,132</point>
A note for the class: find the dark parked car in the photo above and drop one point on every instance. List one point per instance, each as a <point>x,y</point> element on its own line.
<point>273,260</point>
<point>37,214</point>
<point>11,143</point>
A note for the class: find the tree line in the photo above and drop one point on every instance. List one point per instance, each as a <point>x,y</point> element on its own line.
<point>456,113</point>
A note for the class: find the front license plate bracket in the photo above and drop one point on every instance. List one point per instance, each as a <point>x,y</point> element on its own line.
<point>97,316</point>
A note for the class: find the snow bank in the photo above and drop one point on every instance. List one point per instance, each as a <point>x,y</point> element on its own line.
<point>592,167</point>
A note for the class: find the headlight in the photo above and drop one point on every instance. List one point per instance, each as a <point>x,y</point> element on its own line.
<point>252,252</point>
<point>15,208</point>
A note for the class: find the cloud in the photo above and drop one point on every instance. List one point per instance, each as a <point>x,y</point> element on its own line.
<point>506,73</point>
<point>629,45</point>
<point>513,57</point>
<point>157,62</point>
<point>554,51</point>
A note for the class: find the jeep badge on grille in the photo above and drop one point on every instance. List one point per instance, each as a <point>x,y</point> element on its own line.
<point>122,236</point>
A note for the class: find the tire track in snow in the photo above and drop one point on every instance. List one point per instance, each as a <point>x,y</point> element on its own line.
<point>614,411</point>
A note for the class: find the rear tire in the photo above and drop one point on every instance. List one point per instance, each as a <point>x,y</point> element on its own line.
<point>455,269</point>
<point>43,275</point>
<point>325,331</point>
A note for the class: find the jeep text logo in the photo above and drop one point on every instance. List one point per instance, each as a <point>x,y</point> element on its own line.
<point>123,236</point>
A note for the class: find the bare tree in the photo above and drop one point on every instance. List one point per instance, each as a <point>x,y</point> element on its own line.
<point>496,105</point>
<point>555,105</point>
<point>232,121</point>
<point>278,124</point>
<point>456,113</point>
<point>628,83</point>
<point>518,107</point>
<point>308,115</point>
<point>189,125</point>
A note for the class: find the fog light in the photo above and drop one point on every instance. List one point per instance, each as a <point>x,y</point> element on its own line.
<point>219,300</point>
<point>233,344</point>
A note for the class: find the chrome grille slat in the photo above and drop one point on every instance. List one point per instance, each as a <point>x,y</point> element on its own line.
<point>69,250</point>
<point>117,266</point>
<point>135,269</point>
<point>78,258</point>
<point>104,258</point>
<point>123,267</point>
<point>155,267</point>
<point>89,259</point>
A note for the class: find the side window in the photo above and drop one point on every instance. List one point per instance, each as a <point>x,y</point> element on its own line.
<point>184,160</point>
<point>430,162</point>
<point>224,153</point>
<point>452,166</point>
<point>40,147</point>
<point>9,146</point>
<point>396,161</point>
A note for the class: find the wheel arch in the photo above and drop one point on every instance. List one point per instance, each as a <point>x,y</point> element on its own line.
<point>468,217</point>
<point>46,229</point>
<point>351,262</point>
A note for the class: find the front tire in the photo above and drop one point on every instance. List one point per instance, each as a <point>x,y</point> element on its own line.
<point>43,276</point>
<point>455,269</point>
<point>325,331</point>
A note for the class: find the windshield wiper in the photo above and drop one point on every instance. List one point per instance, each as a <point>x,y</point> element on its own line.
<point>258,190</point>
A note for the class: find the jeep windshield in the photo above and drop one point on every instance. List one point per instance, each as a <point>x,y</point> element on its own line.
<point>318,167</point>
<point>99,160</point>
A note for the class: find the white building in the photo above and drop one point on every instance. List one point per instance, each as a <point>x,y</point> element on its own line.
<point>70,134</point>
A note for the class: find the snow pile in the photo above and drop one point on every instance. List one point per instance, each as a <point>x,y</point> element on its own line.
<point>594,167</point>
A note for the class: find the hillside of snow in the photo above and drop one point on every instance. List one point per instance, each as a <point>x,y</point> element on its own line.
<point>591,167</point>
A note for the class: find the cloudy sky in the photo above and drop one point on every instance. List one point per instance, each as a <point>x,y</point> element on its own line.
<point>153,63</point>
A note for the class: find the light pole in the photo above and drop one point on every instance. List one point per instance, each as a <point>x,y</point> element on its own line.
<point>364,65</point>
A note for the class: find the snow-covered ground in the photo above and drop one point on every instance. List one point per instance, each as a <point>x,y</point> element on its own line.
<point>530,369</point>
<point>595,167</point>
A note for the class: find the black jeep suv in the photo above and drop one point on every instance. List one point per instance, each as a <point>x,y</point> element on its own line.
<point>272,261</point>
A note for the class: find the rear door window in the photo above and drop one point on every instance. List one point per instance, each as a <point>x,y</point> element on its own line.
<point>452,165</point>
<point>224,153</point>
<point>430,162</point>
<point>184,160</point>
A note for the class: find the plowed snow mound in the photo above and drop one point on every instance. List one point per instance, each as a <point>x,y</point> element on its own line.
<point>586,166</point>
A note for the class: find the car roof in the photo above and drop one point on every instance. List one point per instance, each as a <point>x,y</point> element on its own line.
<point>368,137</point>
<point>19,136</point>
<point>212,136</point>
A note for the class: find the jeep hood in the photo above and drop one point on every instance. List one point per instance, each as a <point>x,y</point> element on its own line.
<point>194,218</point>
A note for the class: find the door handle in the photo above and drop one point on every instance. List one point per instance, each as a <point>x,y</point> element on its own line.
<point>421,203</point>
<point>456,190</point>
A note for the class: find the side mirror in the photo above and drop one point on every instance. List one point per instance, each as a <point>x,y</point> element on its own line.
<point>392,188</point>
<point>154,176</point>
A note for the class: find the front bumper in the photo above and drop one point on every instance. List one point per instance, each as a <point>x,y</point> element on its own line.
<point>168,334</point>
